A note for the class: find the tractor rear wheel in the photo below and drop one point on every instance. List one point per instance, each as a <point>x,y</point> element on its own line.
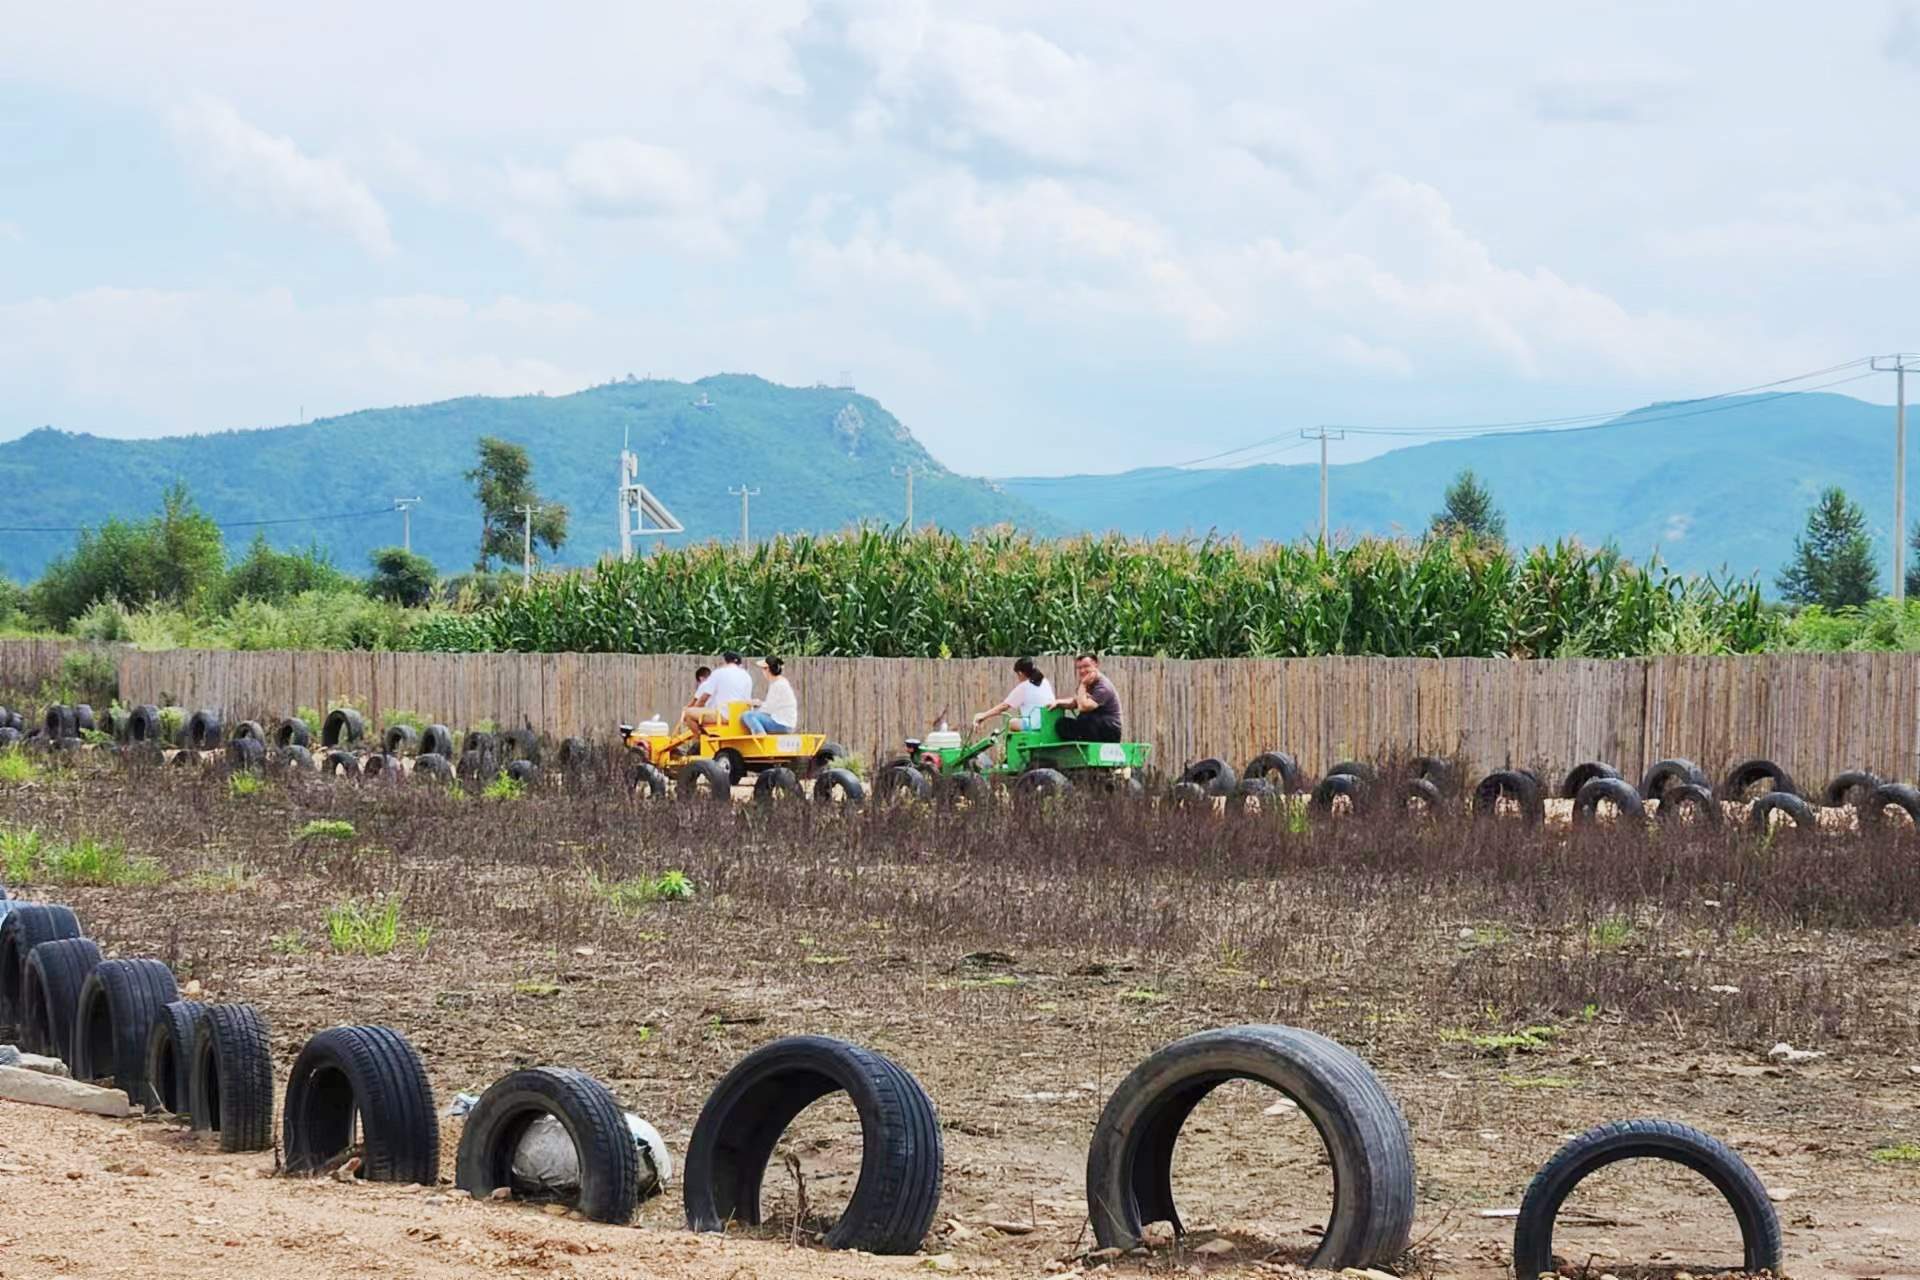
<point>730,760</point>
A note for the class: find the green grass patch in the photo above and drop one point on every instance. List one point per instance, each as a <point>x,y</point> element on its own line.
<point>1500,1043</point>
<point>504,787</point>
<point>16,768</point>
<point>1610,933</point>
<point>242,785</point>
<point>29,858</point>
<point>536,988</point>
<point>1142,995</point>
<point>364,928</point>
<point>232,878</point>
<point>289,943</point>
<point>637,892</point>
<point>1898,1153</point>
<point>326,829</point>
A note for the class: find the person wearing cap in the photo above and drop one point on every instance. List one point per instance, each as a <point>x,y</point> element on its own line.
<point>729,684</point>
<point>779,710</point>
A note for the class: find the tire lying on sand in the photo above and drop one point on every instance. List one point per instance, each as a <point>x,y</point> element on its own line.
<point>431,766</point>
<point>523,771</point>
<point>827,757</point>
<point>1422,795</point>
<point>1581,774</point>
<point>230,1077</point>
<point>143,724</point>
<point>25,926</point>
<point>382,768</point>
<point>1683,799</point>
<point>775,785</point>
<point>343,727</point>
<point>292,732</point>
<point>901,1160</point>
<point>400,740</point>
<point>114,1021</point>
<point>1276,768</point>
<point>1644,1140</point>
<point>704,779</point>
<point>437,739</point>
<point>1747,772</point>
<point>1522,788</point>
<point>1335,786</point>
<point>1760,813</point>
<point>609,1164</point>
<point>50,994</point>
<point>1213,775</point>
<point>1663,773</point>
<point>1851,788</point>
<point>375,1075</point>
<point>1130,1161</point>
<point>838,787</point>
<point>203,731</point>
<point>292,757</point>
<point>1616,791</point>
<point>170,1055</point>
<point>1890,795</point>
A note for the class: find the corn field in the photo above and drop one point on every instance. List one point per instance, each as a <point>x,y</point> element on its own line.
<point>935,594</point>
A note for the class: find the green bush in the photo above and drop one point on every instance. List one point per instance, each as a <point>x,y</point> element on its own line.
<point>401,577</point>
<point>278,576</point>
<point>88,676</point>
<point>175,556</point>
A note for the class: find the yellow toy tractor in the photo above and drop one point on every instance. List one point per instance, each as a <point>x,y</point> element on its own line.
<point>725,753</point>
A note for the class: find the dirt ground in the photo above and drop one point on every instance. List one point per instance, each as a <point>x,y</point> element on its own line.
<point>1018,1043</point>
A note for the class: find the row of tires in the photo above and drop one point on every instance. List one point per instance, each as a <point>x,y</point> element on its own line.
<point>122,1021</point>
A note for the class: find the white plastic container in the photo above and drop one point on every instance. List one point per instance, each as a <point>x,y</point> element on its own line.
<point>654,728</point>
<point>942,740</point>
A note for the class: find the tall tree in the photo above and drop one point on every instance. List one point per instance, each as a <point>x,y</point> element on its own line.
<point>1832,563</point>
<point>503,481</point>
<point>1468,510</point>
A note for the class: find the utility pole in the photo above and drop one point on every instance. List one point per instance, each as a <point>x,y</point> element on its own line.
<point>1899,366</point>
<point>907,471</point>
<point>526,544</point>
<point>744,494</point>
<point>405,507</point>
<point>1323,435</point>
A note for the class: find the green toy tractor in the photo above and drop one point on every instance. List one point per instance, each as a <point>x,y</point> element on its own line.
<point>1036,761</point>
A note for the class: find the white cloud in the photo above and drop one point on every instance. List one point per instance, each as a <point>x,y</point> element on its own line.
<point>1831,224</point>
<point>1587,98</point>
<point>625,179</point>
<point>1903,39</point>
<point>11,233</point>
<point>260,167</point>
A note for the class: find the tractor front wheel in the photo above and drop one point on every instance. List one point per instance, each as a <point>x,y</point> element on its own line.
<point>730,760</point>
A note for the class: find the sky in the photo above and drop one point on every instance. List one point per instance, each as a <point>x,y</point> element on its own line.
<point>1072,237</point>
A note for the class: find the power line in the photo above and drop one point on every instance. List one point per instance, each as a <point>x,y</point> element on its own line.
<point>223,524</point>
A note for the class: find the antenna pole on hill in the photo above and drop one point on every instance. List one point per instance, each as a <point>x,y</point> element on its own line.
<point>1323,435</point>
<point>405,507</point>
<point>526,544</point>
<point>744,494</point>
<point>1900,366</point>
<point>906,471</point>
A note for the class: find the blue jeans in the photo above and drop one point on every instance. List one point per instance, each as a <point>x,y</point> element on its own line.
<point>761,722</point>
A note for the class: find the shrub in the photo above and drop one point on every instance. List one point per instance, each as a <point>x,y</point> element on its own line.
<point>367,929</point>
<point>88,676</point>
<point>15,767</point>
<point>175,555</point>
<point>401,577</point>
<point>277,576</point>
<point>326,829</point>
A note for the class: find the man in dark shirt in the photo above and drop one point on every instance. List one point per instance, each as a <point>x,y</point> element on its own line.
<point>1095,700</point>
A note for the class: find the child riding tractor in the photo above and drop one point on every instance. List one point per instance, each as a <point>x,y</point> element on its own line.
<point>723,754</point>
<point>1033,761</point>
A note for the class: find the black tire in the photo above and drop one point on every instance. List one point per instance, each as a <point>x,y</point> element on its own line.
<point>1581,774</point>
<point>901,1162</point>
<point>1424,792</point>
<point>143,724</point>
<point>1037,784</point>
<point>292,757</point>
<point>400,740</point>
<point>1664,772</point>
<point>1130,1161</point>
<point>1437,770</point>
<point>776,784</point>
<point>1850,788</point>
<point>430,766</point>
<point>900,782</point>
<point>478,740</point>
<point>1213,775</point>
<point>1276,768</point>
<point>480,765</point>
<point>382,768</point>
<point>824,758</point>
<point>520,744</point>
<point>187,758</point>
<point>9,737</point>
<point>203,731</point>
<point>25,926</point>
<point>736,767</point>
<point>696,774</point>
<point>840,787</point>
<point>1522,788</point>
<point>248,729</point>
<point>1760,813</point>
<point>1334,786</point>
<point>437,739</point>
<point>1748,772</point>
<point>340,764</point>
<point>1890,795</point>
<point>50,994</point>
<point>170,1056</point>
<point>343,727</point>
<point>962,787</point>
<point>525,772</point>
<point>118,719</point>
<point>1356,768</point>
<point>1616,791</point>
<point>1189,796</point>
<point>1256,789</point>
<point>646,781</point>
<point>292,732</point>
<point>114,1020</point>
<point>374,1074</point>
<point>83,721</point>
<point>58,722</point>
<point>574,755</point>
<point>1688,797</point>
<point>246,755</point>
<point>1644,1140</point>
<point>230,1077</point>
<point>609,1163</point>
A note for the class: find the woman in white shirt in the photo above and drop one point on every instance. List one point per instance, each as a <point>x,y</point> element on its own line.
<point>1033,691</point>
<point>779,711</point>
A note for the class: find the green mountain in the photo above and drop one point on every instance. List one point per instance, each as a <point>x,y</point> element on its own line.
<point>822,458</point>
<point>1723,484</point>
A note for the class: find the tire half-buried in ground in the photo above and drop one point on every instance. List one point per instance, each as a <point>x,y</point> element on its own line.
<point>1130,1162</point>
<point>1760,813</point>
<point>1644,1140</point>
<point>1615,791</point>
<point>50,994</point>
<point>230,1077</point>
<point>1681,799</point>
<point>898,1189</point>
<point>170,1056</point>
<point>609,1165</point>
<point>1510,784</point>
<point>25,926</point>
<point>114,1020</point>
<point>369,1074</point>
